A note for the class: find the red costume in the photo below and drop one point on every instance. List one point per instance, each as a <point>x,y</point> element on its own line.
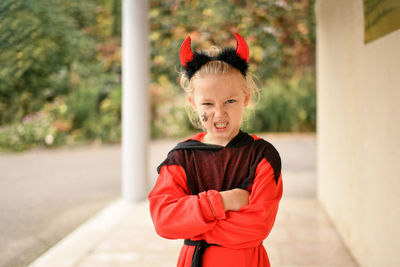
<point>185,202</point>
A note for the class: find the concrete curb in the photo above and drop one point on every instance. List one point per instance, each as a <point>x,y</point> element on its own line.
<point>75,246</point>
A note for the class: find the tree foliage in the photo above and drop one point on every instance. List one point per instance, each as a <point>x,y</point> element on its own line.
<point>280,34</point>
<point>39,41</point>
<point>60,65</point>
<point>59,56</point>
<point>281,39</point>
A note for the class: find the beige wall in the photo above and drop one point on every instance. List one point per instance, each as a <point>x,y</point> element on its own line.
<point>358,126</point>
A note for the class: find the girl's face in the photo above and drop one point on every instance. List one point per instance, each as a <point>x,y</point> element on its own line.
<point>219,101</point>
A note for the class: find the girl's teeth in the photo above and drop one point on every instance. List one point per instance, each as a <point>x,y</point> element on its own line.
<point>220,125</point>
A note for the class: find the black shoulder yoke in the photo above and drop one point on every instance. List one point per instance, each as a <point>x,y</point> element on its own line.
<point>236,162</point>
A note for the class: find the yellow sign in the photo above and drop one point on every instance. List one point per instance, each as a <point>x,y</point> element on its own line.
<point>381,17</point>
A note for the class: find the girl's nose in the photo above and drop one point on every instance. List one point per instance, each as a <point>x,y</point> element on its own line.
<point>219,111</point>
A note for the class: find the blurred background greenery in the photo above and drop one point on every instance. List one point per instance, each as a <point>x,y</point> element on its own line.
<point>60,66</point>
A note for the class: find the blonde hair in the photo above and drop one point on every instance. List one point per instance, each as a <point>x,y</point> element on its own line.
<point>220,68</point>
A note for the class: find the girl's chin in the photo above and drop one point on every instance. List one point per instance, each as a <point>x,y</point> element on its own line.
<point>221,136</point>
<point>221,130</point>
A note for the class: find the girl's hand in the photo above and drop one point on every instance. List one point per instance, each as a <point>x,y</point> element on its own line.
<point>234,199</point>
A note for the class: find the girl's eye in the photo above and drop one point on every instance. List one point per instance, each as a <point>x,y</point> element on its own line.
<point>230,101</point>
<point>206,104</point>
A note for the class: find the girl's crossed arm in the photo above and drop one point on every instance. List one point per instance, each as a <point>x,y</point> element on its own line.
<point>178,215</point>
<point>234,199</point>
<point>252,223</point>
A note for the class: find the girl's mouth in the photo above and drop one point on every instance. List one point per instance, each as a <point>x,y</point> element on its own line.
<point>220,125</point>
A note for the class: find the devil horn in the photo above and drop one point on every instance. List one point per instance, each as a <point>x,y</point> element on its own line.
<point>242,50</point>
<point>186,53</point>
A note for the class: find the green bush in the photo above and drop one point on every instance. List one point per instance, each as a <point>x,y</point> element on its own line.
<point>110,117</point>
<point>285,106</point>
<point>35,130</point>
<point>168,115</point>
<point>92,111</point>
<point>94,104</point>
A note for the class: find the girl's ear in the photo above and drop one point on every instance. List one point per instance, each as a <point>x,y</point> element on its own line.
<point>191,101</point>
<point>247,98</point>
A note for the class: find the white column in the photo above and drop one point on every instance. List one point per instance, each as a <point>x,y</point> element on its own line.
<point>135,99</point>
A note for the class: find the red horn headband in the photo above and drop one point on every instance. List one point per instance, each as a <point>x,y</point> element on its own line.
<point>241,47</point>
<point>192,61</point>
<point>186,53</point>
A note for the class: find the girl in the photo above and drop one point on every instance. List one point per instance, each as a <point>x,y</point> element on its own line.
<point>220,189</point>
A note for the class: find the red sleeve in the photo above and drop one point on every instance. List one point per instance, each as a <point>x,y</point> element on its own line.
<point>178,215</point>
<point>249,226</point>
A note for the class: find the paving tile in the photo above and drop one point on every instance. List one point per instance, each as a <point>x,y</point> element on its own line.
<point>302,235</point>
<point>306,254</point>
<point>304,238</point>
<point>317,233</point>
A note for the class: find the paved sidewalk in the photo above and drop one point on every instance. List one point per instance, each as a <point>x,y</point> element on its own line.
<point>123,234</point>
